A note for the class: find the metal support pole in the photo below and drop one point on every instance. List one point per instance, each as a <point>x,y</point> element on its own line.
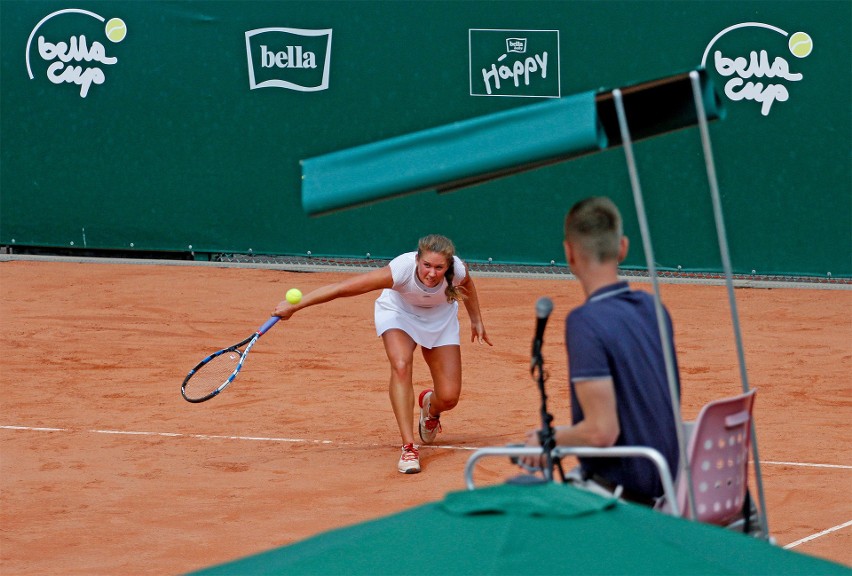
<point>726,264</point>
<point>652,270</point>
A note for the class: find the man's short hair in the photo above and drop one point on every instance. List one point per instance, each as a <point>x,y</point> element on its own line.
<point>594,224</point>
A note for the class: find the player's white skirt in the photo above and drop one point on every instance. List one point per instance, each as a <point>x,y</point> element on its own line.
<point>429,327</point>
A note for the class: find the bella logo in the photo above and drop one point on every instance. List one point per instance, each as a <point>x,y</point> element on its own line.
<point>755,77</point>
<point>518,45</point>
<point>519,63</point>
<point>292,57</point>
<point>78,60</point>
<point>289,58</point>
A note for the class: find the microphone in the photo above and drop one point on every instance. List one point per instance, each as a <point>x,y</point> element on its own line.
<point>543,308</point>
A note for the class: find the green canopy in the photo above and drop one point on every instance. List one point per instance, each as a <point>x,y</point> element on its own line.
<point>449,154</point>
<point>541,529</point>
<point>479,149</point>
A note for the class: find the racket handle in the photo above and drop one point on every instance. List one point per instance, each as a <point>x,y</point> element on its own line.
<point>267,325</point>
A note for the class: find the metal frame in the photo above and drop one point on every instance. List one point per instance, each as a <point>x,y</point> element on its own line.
<point>637,451</point>
<point>586,452</point>
<point>726,263</point>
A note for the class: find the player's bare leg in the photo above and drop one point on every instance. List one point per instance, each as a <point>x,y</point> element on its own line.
<point>400,350</point>
<point>445,365</point>
<point>446,368</point>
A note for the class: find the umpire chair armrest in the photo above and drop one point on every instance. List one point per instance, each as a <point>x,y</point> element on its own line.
<point>584,452</point>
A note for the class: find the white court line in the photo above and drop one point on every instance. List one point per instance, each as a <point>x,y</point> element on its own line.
<point>259,439</point>
<point>131,433</point>
<point>215,437</point>
<point>309,441</point>
<point>33,429</point>
<point>809,465</point>
<point>817,535</point>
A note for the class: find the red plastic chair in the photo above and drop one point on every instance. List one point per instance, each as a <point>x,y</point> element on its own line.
<point>718,453</point>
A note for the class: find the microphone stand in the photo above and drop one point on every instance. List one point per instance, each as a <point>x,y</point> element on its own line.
<point>546,435</point>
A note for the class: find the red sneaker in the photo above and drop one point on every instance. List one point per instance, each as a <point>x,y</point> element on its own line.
<point>429,425</point>
<point>409,460</point>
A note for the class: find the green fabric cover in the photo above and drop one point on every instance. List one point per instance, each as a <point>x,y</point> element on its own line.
<point>452,155</point>
<point>540,529</point>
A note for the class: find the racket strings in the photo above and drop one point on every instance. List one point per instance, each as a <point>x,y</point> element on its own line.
<point>209,377</point>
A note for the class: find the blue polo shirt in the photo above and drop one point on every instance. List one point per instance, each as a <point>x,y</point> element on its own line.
<point>614,334</point>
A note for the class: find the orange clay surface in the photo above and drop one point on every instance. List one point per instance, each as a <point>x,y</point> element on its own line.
<point>105,469</point>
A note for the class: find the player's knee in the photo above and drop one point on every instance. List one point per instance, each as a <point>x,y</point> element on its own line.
<point>401,368</point>
<point>444,403</point>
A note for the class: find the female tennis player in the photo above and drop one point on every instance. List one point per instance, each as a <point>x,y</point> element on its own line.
<point>418,305</point>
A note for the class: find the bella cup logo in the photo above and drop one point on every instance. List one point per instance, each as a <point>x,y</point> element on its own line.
<point>518,45</point>
<point>288,58</point>
<point>753,71</point>
<point>75,59</point>
<point>518,63</point>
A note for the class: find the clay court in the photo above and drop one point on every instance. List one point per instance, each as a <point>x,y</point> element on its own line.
<point>106,470</point>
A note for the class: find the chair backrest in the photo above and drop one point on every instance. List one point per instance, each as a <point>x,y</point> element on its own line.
<point>718,453</point>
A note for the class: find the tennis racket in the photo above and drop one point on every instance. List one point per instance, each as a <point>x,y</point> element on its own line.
<point>215,372</point>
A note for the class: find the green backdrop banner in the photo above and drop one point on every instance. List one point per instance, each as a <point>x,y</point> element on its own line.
<point>180,126</point>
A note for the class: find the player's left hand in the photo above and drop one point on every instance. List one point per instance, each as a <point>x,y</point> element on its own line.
<point>477,332</point>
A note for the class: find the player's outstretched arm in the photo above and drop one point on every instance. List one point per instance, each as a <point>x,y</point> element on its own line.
<point>353,286</point>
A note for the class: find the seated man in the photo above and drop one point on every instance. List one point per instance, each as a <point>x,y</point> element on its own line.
<point>619,390</point>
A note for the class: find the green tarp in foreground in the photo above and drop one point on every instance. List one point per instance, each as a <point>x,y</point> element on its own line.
<point>542,529</point>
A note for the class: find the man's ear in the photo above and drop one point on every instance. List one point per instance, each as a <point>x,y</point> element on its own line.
<point>623,246</point>
<point>569,253</point>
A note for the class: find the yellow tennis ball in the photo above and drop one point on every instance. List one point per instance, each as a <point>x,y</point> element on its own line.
<point>115,29</point>
<point>800,44</point>
<point>294,296</point>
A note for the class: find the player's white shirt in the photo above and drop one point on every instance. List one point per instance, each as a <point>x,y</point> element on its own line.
<point>421,312</point>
